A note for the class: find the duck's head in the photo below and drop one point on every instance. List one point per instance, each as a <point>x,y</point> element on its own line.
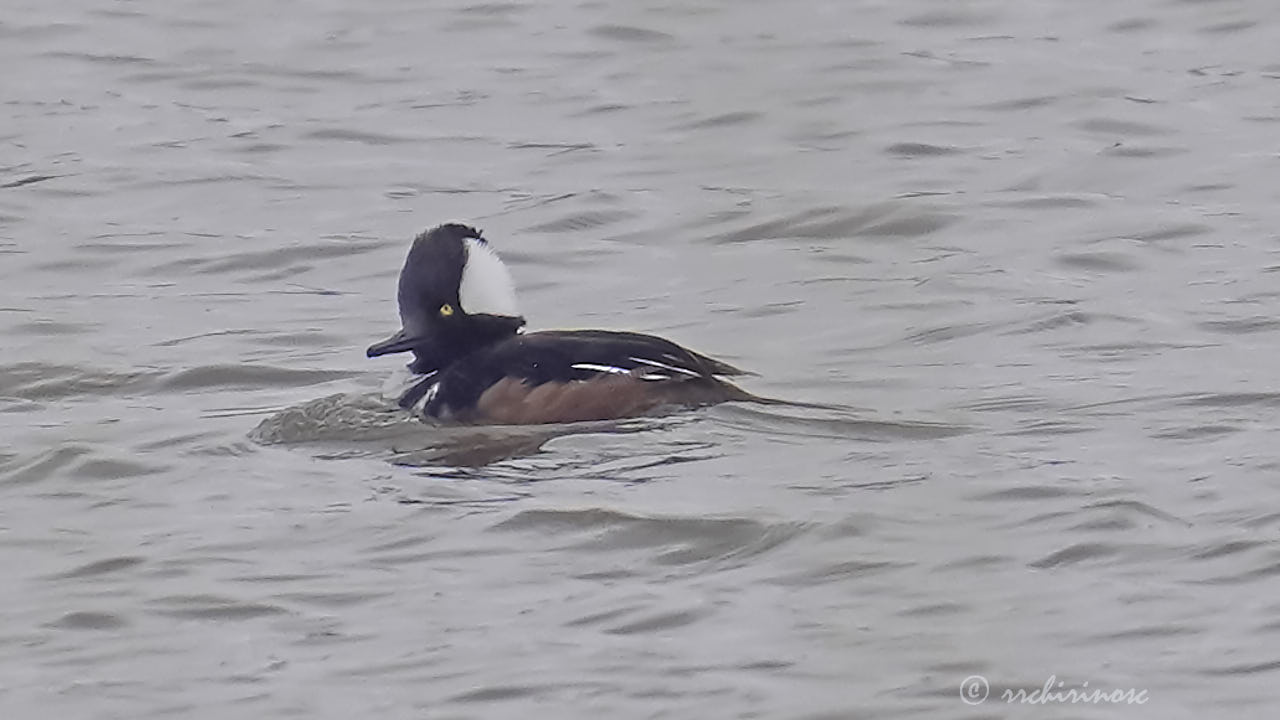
<point>455,296</point>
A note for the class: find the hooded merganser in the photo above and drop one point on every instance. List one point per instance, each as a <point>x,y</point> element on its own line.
<point>472,363</point>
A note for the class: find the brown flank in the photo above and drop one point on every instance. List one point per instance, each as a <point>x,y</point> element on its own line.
<point>510,401</point>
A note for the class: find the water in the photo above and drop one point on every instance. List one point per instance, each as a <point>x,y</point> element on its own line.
<point>1030,247</point>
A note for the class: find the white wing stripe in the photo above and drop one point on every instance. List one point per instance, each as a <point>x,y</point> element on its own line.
<point>664,366</point>
<point>600,368</point>
<point>659,371</point>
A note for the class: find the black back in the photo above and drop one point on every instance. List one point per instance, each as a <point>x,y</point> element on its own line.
<point>551,356</point>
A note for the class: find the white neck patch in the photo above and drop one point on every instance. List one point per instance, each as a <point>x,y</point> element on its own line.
<point>486,287</point>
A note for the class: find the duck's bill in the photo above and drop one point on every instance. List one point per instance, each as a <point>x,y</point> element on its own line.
<point>398,343</point>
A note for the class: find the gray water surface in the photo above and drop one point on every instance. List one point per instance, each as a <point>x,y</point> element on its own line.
<point>1028,249</point>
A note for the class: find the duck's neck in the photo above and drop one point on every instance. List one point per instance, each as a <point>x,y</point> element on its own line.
<point>482,331</point>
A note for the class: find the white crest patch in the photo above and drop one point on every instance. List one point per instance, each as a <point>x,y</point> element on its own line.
<point>486,287</point>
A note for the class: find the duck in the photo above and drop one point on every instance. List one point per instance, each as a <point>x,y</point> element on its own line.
<point>474,364</point>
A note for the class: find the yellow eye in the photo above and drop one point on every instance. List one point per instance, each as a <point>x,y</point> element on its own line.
<point>446,310</point>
